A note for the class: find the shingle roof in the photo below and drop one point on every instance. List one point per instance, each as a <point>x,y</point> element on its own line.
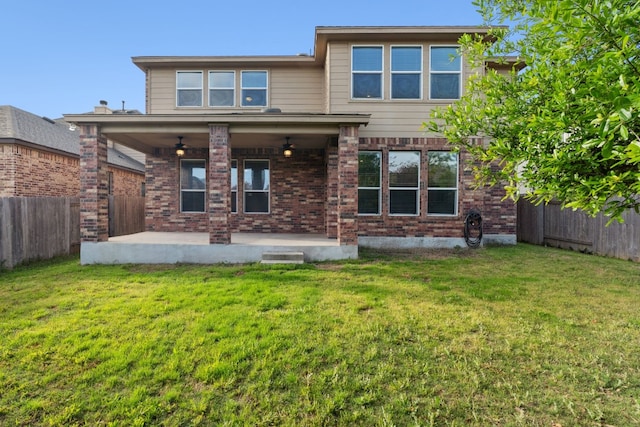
<point>24,126</point>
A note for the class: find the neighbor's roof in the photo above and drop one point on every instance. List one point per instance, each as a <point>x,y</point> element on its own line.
<point>20,125</point>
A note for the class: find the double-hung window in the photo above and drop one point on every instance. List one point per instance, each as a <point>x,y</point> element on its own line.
<point>222,88</point>
<point>256,186</point>
<point>406,72</point>
<point>254,88</point>
<point>369,179</point>
<point>192,185</point>
<point>366,72</point>
<point>446,72</point>
<point>189,89</point>
<point>404,182</point>
<point>442,191</point>
<point>234,186</point>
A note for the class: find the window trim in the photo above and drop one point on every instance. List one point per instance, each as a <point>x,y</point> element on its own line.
<point>420,73</point>
<point>245,191</point>
<point>416,188</point>
<point>379,187</point>
<point>381,72</point>
<point>231,190</point>
<point>189,190</point>
<point>456,188</point>
<point>266,89</point>
<point>459,73</point>
<point>178,88</point>
<point>233,88</point>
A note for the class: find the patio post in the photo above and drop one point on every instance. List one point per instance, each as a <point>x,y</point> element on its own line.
<point>219,184</point>
<point>331,210</point>
<point>94,185</point>
<point>348,186</point>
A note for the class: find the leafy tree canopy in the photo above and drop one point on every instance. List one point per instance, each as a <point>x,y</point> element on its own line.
<point>567,125</point>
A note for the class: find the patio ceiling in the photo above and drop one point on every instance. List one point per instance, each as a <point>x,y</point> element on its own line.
<point>268,130</point>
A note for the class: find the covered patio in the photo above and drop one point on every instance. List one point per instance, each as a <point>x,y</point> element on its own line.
<point>311,198</point>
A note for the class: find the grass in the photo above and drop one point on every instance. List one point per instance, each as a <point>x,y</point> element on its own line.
<point>507,336</point>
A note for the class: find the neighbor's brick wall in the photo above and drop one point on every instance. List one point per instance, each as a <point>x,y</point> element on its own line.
<point>28,172</point>
<point>297,193</point>
<point>499,217</point>
<point>126,183</point>
<point>7,170</point>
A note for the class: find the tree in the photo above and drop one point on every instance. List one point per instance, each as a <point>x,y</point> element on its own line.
<point>567,125</point>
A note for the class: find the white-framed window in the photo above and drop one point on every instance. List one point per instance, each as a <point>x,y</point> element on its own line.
<point>366,72</point>
<point>222,91</point>
<point>189,88</point>
<point>404,182</point>
<point>445,67</point>
<point>369,182</point>
<point>406,72</point>
<point>254,88</point>
<point>193,179</point>
<point>442,189</point>
<point>234,186</point>
<point>256,186</point>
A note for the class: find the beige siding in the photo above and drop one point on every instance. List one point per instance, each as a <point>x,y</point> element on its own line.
<point>290,89</point>
<point>389,118</point>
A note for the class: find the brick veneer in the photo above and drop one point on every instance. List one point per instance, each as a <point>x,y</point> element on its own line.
<point>94,182</point>
<point>499,217</point>
<point>219,184</point>
<point>29,172</point>
<point>315,191</point>
<point>348,185</point>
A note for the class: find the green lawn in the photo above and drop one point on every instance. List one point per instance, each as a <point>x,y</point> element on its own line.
<point>505,336</point>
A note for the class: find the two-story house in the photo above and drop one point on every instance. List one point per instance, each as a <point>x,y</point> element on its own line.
<point>327,148</point>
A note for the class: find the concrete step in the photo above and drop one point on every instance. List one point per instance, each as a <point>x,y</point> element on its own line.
<point>283,258</point>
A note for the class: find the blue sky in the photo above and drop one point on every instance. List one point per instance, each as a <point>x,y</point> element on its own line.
<point>61,57</point>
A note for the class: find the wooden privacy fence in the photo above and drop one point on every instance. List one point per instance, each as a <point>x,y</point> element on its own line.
<point>45,227</point>
<point>126,215</point>
<point>38,228</point>
<point>568,229</point>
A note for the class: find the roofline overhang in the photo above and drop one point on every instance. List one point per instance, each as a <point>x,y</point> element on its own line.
<point>323,35</point>
<point>226,119</point>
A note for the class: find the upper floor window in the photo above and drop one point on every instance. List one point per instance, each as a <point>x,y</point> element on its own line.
<point>446,72</point>
<point>369,182</point>
<point>189,88</point>
<point>192,185</point>
<point>366,71</point>
<point>256,186</point>
<point>222,88</point>
<point>254,88</point>
<point>404,182</point>
<point>442,191</point>
<point>406,72</point>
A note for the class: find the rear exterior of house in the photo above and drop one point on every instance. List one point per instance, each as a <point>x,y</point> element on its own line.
<point>361,170</point>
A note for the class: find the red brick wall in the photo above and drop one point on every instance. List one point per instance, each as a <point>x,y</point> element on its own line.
<point>28,172</point>
<point>297,193</point>
<point>499,217</point>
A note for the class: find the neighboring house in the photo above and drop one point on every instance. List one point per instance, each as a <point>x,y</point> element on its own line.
<point>361,170</point>
<point>41,157</point>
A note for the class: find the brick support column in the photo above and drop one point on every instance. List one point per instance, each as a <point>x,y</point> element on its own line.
<point>94,185</point>
<point>331,204</point>
<point>348,185</point>
<point>219,184</point>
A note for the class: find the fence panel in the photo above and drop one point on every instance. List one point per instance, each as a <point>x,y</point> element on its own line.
<point>568,229</point>
<point>37,228</point>
<point>126,215</point>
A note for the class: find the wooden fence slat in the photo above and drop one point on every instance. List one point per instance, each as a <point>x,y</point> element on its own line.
<point>576,230</point>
